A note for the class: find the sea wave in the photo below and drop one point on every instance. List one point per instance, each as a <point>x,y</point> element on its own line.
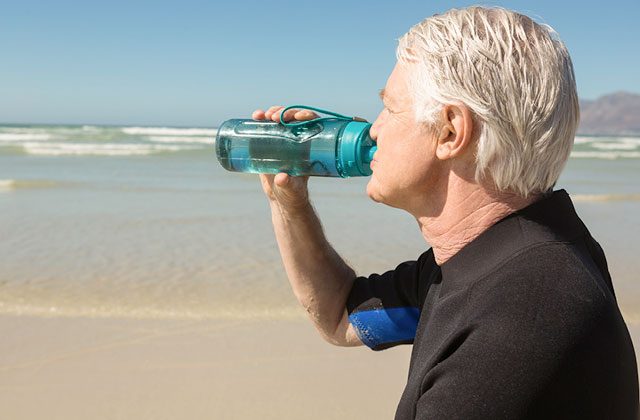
<point>584,140</point>
<point>25,129</point>
<point>605,155</point>
<point>6,184</point>
<point>182,139</point>
<point>603,197</point>
<point>16,184</point>
<point>615,146</point>
<point>97,149</point>
<point>605,139</point>
<point>170,131</point>
<point>18,137</point>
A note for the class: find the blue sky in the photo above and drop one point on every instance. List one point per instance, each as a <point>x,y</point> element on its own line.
<point>197,63</point>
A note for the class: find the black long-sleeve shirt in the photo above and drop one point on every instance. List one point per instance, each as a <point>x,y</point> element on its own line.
<point>522,323</point>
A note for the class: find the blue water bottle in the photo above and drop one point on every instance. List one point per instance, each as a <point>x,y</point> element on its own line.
<point>337,146</point>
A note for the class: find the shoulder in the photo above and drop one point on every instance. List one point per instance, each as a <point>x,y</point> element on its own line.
<point>547,294</point>
<point>545,269</point>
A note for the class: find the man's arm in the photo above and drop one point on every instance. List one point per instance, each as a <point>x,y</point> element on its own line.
<point>320,278</point>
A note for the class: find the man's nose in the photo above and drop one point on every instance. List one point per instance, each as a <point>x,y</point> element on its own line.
<point>373,131</point>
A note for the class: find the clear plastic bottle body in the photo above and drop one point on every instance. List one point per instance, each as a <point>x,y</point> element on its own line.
<point>269,147</point>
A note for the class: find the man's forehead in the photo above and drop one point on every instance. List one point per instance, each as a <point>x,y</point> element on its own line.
<point>396,84</point>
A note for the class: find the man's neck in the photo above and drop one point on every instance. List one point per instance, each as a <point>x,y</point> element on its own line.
<point>465,215</point>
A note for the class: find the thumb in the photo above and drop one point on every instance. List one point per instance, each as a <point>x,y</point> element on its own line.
<point>282,180</point>
<point>291,190</point>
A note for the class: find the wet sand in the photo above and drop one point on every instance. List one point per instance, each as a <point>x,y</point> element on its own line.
<point>81,368</point>
<point>75,368</point>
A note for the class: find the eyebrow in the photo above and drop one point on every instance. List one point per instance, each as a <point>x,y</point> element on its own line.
<point>381,94</point>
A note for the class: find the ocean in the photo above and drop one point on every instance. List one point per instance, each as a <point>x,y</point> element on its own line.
<point>105,221</point>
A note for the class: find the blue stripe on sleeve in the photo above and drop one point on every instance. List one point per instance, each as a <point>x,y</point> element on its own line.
<point>380,326</point>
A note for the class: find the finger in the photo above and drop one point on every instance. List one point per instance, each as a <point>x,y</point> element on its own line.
<point>277,115</point>
<point>289,115</point>
<point>305,115</point>
<point>292,185</point>
<point>258,115</point>
<point>281,179</point>
<point>271,111</point>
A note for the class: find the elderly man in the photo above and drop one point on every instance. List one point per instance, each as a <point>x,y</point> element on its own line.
<point>511,313</point>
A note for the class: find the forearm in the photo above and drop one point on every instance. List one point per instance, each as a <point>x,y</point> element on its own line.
<point>320,278</point>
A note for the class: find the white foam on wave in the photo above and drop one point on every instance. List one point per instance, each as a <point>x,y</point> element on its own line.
<point>17,184</point>
<point>17,137</point>
<point>605,155</point>
<point>590,198</point>
<point>106,149</point>
<point>615,146</point>
<point>182,139</point>
<point>22,129</point>
<point>583,140</point>
<point>605,139</point>
<point>634,140</point>
<point>169,131</point>
<point>7,184</point>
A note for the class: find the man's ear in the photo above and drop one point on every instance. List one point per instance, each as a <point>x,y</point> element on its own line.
<point>455,131</point>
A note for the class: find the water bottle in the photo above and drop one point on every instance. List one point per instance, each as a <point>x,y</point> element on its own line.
<point>337,146</point>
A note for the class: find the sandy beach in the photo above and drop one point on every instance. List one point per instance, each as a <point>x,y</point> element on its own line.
<point>80,368</point>
<point>74,368</point>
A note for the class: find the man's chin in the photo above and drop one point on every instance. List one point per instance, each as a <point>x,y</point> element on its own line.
<point>373,192</point>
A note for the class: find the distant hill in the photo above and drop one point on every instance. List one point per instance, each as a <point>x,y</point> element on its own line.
<point>614,114</point>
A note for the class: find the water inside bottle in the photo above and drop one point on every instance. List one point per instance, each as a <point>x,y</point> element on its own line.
<point>263,147</point>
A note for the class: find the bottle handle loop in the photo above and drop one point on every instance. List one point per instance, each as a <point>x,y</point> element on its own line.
<point>335,115</point>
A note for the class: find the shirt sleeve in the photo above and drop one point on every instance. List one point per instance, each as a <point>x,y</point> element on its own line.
<point>384,309</point>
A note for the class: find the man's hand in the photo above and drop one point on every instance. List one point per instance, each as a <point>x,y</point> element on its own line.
<point>275,113</point>
<point>289,192</point>
<point>320,278</point>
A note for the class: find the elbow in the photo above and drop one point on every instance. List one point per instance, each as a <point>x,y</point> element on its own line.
<point>336,339</point>
<point>341,333</point>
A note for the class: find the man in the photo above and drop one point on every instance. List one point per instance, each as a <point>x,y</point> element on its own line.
<point>511,313</point>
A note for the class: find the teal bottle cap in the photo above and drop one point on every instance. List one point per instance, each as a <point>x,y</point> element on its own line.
<point>356,149</point>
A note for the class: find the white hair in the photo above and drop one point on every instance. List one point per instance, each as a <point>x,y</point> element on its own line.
<point>516,77</point>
